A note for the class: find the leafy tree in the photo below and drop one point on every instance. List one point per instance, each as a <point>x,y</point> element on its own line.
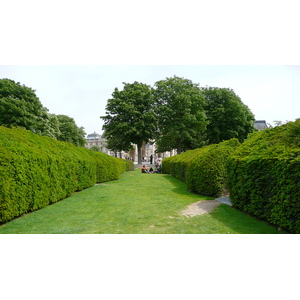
<point>130,117</point>
<point>116,144</point>
<point>20,107</point>
<point>69,132</point>
<point>95,148</point>
<point>181,118</point>
<point>50,125</point>
<point>228,117</point>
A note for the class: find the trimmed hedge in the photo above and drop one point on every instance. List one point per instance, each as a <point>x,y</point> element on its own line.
<point>202,169</point>
<point>264,176</point>
<point>178,165</point>
<point>207,174</point>
<point>36,171</point>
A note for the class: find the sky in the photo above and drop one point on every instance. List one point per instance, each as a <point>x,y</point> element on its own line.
<point>81,92</point>
<point>74,54</point>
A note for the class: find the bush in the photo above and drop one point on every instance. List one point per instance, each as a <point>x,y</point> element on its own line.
<point>264,176</point>
<point>207,173</point>
<point>177,165</point>
<point>202,169</point>
<point>36,171</point>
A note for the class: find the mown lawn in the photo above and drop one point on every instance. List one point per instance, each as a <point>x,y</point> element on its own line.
<point>136,204</point>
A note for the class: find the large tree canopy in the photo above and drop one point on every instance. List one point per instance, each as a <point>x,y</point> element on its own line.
<point>20,107</point>
<point>130,117</point>
<point>228,117</point>
<point>181,118</point>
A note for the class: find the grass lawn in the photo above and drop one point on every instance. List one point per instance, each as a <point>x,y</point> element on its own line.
<point>136,203</point>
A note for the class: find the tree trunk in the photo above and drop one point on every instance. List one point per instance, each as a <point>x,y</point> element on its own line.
<point>139,146</point>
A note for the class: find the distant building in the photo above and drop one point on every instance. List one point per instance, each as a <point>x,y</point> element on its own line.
<point>98,140</point>
<point>260,125</point>
<point>95,139</point>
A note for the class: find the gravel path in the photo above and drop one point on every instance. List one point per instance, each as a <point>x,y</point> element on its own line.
<point>202,207</point>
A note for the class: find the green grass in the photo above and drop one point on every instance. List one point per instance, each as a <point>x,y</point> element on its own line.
<point>136,203</point>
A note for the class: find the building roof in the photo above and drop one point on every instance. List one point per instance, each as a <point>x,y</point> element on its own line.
<point>260,124</point>
<point>94,135</point>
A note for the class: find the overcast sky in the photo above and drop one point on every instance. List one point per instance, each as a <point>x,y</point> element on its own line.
<point>81,92</point>
<point>75,53</point>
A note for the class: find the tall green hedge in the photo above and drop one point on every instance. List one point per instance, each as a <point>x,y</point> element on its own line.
<point>202,169</point>
<point>36,171</point>
<point>207,174</point>
<point>264,176</point>
<point>178,165</point>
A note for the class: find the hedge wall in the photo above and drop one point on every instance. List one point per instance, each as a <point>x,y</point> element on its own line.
<point>264,176</point>
<point>207,174</point>
<point>177,165</point>
<point>36,171</point>
<point>202,169</point>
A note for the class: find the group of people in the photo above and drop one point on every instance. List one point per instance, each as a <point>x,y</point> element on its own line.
<point>151,170</point>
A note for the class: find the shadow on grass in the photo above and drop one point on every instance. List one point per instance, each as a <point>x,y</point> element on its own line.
<point>180,187</point>
<point>243,223</point>
<point>236,220</point>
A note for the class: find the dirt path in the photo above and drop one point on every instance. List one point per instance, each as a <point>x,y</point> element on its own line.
<point>200,207</point>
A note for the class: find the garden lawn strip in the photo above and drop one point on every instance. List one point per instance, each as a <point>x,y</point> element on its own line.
<point>136,203</point>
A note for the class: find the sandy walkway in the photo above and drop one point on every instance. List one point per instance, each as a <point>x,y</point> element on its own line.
<point>200,207</point>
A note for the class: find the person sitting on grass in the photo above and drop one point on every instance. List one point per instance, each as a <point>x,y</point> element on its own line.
<point>159,168</point>
<point>144,169</point>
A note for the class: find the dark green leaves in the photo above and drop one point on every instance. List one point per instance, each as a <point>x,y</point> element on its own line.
<point>20,107</point>
<point>130,117</point>
<point>228,117</point>
<point>179,106</point>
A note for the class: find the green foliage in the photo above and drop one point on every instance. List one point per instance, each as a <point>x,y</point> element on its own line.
<point>178,165</point>
<point>202,169</point>
<point>125,207</point>
<point>207,174</point>
<point>181,118</point>
<point>228,117</point>
<point>69,132</point>
<point>130,118</point>
<point>20,107</point>
<point>36,171</point>
<point>264,176</point>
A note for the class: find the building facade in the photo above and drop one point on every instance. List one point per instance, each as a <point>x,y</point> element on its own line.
<point>148,149</point>
<point>95,139</point>
<point>260,125</point>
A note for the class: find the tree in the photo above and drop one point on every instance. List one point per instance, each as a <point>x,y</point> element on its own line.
<point>20,107</point>
<point>69,132</point>
<point>130,117</point>
<point>95,148</point>
<point>228,117</point>
<point>181,118</point>
<point>116,144</point>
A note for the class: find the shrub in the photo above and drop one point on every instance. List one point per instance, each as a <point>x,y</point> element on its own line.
<point>36,171</point>
<point>207,173</point>
<point>202,169</point>
<point>264,176</point>
<point>177,165</point>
